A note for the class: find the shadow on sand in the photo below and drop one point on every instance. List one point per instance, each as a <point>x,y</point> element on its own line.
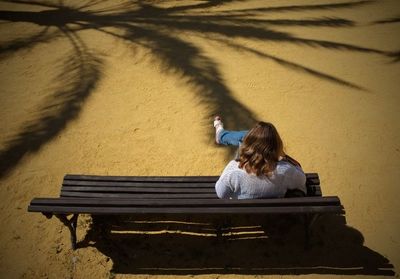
<point>158,30</point>
<point>187,246</point>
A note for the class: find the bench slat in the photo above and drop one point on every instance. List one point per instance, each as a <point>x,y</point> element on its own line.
<point>147,184</point>
<point>95,188</point>
<point>139,196</point>
<point>311,189</point>
<point>312,181</point>
<point>139,184</point>
<point>309,176</point>
<point>192,203</point>
<point>185,210</point>
<point>100,189</point>
<point>143,178</point>
<point>150,194</point>
<point>314,190</point>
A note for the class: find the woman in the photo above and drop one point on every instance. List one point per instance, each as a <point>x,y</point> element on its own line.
<point>262,169</point>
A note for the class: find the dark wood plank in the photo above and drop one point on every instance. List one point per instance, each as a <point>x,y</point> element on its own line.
<point>304,201</point>
<point>99,189</point>
<point>312,181</point>
<point>309,176</point>
<point>313,190</point>
<point>138,196</point>
<point>139,184</point>
<point>186,210</point>
<point>146,184</point>
<point>143,178</point>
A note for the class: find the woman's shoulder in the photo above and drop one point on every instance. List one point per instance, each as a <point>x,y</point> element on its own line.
<point>285,166</point>
<point>233,163</point>
<point>233,166</point>
<point>232,169</point>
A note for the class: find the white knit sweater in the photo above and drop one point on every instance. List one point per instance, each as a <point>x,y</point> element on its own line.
<point>236,183</point>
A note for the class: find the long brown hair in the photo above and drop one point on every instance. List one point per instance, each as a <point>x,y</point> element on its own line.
<point>261,149</point>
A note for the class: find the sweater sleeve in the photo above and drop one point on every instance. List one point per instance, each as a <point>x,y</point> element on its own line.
<point>296,179</point>
<point>224,187</point>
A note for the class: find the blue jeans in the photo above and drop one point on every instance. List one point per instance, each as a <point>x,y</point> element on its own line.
<point>231,137</point>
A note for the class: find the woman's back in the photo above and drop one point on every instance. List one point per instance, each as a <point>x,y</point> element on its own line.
<point>236,183</point>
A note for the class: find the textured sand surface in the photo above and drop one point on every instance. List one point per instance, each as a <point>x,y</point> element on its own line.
<point>130,88</point>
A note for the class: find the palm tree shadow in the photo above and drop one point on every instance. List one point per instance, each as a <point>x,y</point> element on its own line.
<point>183,246</point>
<point>158,29</point>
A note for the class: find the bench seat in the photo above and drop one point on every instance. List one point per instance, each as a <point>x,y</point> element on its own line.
<point>194,206</point>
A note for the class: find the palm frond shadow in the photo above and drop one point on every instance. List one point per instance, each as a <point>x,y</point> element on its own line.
<point>389,20</point>
<point>288,64</point>
<point>26,43</point>
<point>194,68</point>
<point>158,30</point>
<point>80,73</point>
<point>395,57</point>
<point>190,246</point>
<point>312,7</point>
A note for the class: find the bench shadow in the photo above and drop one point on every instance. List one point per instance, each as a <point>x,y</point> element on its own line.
<point>183,246</point>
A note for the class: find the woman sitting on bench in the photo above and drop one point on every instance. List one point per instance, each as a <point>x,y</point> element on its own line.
<point>262,169</point>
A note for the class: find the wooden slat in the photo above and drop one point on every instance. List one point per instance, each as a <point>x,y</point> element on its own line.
<point>312,181</point>
<point>137,196</point>
<point>147,184</point>
<point>98,189</point>
<point>139,184</point>
<point>94,185</point>
<point>309,176</point>
<point>189,203</point>
<point>186,210</point>
<point>143,178</point>
<point>313,190</point>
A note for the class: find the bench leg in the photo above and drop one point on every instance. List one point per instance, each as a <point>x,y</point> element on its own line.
<point>218,230</point>
<point>71,224</point>
<point>309,220</point>
<point>221,225</point>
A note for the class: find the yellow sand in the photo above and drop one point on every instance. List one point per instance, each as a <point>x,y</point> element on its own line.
<point>332,92</point>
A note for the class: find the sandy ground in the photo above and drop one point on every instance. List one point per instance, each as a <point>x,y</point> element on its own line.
<point>130,88</point>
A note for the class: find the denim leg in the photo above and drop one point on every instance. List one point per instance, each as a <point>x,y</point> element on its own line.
<point>231,137</point>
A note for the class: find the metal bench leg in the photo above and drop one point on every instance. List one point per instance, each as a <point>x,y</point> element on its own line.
<point>71,224</point>
<point>221,226</point>
<point>309,220</point>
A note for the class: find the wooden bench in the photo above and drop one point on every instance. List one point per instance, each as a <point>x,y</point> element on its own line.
<point>171,196</point>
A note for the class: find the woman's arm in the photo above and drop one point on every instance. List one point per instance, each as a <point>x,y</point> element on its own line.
<point>296,179</point>
<point>224,187</point>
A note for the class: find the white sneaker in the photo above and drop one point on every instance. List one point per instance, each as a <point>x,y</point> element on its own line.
<point>219,126</point>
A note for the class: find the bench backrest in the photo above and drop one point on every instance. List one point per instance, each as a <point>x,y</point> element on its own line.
<point>153,187</point>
